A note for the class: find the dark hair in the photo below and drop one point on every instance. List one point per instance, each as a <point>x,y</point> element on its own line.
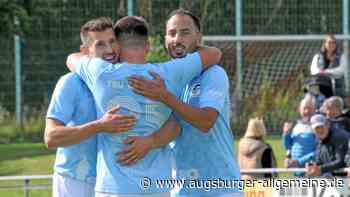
<point>131,25</point>
<point>182,11</point>
<point>331,36</point>
<point>94,25</point>
<point>324,50</point>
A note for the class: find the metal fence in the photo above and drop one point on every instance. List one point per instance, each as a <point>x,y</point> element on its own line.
<point>26,186</point>
<point>252,34</point>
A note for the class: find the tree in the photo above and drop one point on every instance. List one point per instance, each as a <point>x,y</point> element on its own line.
<point>9,10</point>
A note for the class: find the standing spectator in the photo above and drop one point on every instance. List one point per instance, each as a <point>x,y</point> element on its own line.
<point>253,152</point>
<point>333,109</point>
<point>329,61</point>
<point>301,140</point>
<point>331,149</point>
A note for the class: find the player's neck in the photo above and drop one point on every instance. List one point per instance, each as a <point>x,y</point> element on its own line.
<point>133,56</point>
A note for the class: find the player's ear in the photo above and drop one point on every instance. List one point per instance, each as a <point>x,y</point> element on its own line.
<point>199,38</point>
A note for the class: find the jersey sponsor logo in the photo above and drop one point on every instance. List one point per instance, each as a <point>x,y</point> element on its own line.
<point>116,84</point>
<point>195,90</point>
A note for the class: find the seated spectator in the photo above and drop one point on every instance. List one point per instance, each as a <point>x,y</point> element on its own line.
<point>253,152</point>
<point>320,98</point>
<point>333,109</point>
<point>300,141</point>
<point>330,61</point>
<point>331,149</point>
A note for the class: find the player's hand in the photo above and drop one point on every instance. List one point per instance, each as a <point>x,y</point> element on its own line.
<point>309,169</point>
<point>313,170</point>
<point>293,163</point>
<point>290,163</point>
<point>286,162</point>
<point>287,127</point>
<point>154,89</point>
<point>137,147</point>
<point>347,170</point>
<point>113,122</point>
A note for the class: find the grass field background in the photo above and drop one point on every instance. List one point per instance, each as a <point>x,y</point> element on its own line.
<point>36,159</point>
<point>25,159</point>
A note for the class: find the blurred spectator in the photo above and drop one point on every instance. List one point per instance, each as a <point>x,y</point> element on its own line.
<point>253,152</point>
<point>333,109</point>
<point>331,150</point>
<point>300,141</point>
<point>329,61</point>
<point>319,98</point>
<point>347,163</point>
<point>319,86</point>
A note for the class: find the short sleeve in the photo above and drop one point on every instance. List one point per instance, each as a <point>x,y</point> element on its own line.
<point>214,88</point>
<point>182,70</point>
<point>89,69</point>
<point>63,100</point>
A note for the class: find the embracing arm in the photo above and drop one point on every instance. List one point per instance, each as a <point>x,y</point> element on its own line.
<point>201,118</point>
<point>139,146</point>
<point>72,59</point>
<point>167,133</point>
<point>209,56</point>
<point>58,134</point>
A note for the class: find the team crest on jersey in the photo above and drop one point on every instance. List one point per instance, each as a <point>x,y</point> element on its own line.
<point>195,89</point>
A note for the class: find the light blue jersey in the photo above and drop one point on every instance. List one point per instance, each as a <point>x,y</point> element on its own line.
<point>207,157</point>
<point>109,85</point>
<point>73,104</point>
<point>302,142</point>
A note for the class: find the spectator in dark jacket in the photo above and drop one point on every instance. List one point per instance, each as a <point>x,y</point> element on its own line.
<point>331,149</point>
<point>333,109</point>
<point>330,61</point>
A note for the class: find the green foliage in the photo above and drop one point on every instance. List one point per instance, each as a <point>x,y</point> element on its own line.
<point>292,17</point>
<point>9,10</point>
<point>8,131</point>
<point>275,105</point>
<point>157,52</point>
<point>25,159</point>
<point>32,129</point>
